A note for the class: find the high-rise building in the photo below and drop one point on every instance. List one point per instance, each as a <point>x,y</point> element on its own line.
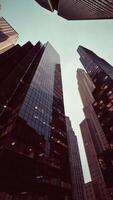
<point>101,74</point>
<point>75,164</point>
<point>99,111</point>
<point>16,72</point>
<point>94,168</point>
<point>33,144</point>
<point>8,36</point>
<point>92,191</point>
<point>86,87</point>
<point>81,9</point>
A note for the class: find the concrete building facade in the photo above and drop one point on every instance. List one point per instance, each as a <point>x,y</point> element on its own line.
<point>8,36</point>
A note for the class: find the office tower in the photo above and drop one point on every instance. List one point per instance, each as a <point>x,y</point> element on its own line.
<point>99,111</point>
<point>100,73</point>
<point>75,164</point>
<point>8,36</point>
<point>81,9</point>
<point>16,72</point>
<point>92,134</point>
<point>94,168</point>
<point>86,88</point>
<point>36,140</point>
<point>92,191</point>
<point>18,66</point>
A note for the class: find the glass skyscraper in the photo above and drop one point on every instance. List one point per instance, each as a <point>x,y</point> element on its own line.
<point>80,9</point>
<point>37,139</point>
<point>78,184</point>
<point>38,104</point>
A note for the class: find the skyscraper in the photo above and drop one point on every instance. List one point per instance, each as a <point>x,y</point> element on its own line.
<point>101,74</point>
<point>16,72</point>
<point>94,168</point>
<point>99,110</point>
<point>81,9</point>
<point>86,87</point>
<point>37,140</point>
<point>92,191</point>
<point>75,164</point>
<point>8,36</point>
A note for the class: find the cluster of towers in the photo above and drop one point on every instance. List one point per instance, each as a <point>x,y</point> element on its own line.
<point>39,154</point>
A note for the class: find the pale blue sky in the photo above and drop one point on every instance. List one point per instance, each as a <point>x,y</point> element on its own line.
<point>34,23</point>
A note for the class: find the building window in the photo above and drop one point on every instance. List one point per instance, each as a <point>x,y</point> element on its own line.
<point>102,106</point>
<point>102,124</point>
<point>111,146</point>
<point>30,149</point>
<point>111,109</point>
<point>105,78</point>
<point>105,87</point>
<point>13,143</point>
<point>95,103</point>
<point>109,105</point>
<point>95,80</point>
<point>111,128</point>
<point>99,115</point>
<point>108,93</point>
<point>101,102</point>
<point>102,164</point>
<point>111,96</point>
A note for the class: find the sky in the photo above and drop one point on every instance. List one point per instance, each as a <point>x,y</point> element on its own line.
<point>33,23</point>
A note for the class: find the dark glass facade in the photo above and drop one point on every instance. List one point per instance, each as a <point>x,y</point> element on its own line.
<point>81,9</point>
<point>49,4</point>
<point>36,140</point>
<point>8,36</point>
<point>14,81</point>
<point>92,191</point>
<point>75,164</point>
<point>38,103</point>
